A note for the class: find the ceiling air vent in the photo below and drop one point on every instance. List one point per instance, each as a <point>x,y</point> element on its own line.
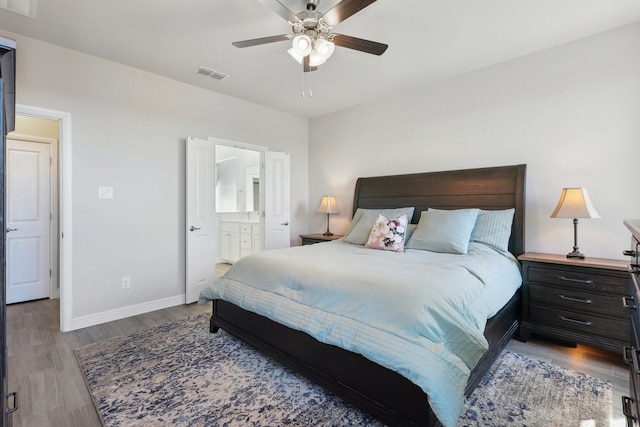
<point>208,72</point>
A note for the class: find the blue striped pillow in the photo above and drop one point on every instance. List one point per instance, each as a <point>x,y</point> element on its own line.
<point>493,228</point>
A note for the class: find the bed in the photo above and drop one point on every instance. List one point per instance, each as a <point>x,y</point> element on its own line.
<point>376,387</point>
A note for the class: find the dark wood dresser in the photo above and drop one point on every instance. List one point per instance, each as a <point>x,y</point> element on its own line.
<point>631,403</point>
<point>576,300</point>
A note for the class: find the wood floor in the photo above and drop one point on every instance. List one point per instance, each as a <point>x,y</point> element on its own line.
<point>52,392</point>
<point>43,369</point>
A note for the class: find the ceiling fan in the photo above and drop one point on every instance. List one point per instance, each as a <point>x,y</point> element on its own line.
<point>312,39</point>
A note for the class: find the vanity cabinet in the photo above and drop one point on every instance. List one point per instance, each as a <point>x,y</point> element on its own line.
<point>238,239</point>
<point>229,249</point>
<point>250,240</point>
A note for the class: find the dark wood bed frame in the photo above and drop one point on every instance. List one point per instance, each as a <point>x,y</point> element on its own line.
<point>383,393</point>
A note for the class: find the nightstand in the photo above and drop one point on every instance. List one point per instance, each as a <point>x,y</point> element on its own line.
<point>310,239</point>
<point>576,300</point>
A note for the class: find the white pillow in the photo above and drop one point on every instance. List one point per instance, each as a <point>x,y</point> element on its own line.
<point>493,228</point>
<point>364,219</point>
<point>447,231</point>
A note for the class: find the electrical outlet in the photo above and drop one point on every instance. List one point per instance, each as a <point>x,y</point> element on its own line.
<point>126,282</point>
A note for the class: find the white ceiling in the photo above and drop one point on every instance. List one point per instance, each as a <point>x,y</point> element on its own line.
<point>428,40</point>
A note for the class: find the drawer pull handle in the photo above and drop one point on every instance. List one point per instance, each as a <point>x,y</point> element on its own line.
<point>635,361</point>
<point>629,303</point>
<point>580,322</point>
<point>630,357</point>
<point>14,408</point>
<point>626,408</point>
<point>568,279</point>
<point>626,354</point>
<point>585,301</point>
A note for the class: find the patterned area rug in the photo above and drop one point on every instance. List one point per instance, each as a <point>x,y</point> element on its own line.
<point>519,391</point>
<point>179,374</point>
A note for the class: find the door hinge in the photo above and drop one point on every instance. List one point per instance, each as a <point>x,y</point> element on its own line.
<point>50,273</point>
<point>50,160</point>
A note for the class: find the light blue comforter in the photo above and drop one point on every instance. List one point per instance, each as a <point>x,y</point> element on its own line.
<point>419,313</point>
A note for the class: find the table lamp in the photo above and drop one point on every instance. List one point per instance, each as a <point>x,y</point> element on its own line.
<point>329,206</point>
<point>574,203</point>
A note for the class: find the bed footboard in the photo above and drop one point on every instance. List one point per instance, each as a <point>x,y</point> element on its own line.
<point>383,393</point>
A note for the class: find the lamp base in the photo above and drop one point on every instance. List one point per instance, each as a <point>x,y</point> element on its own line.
<point>327,233</point>
<point>575,254</point>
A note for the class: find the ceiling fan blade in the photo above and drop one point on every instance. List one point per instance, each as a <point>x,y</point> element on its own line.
<point>362,45</point>
<point>262,40</point>
<point>281,10</point>
<point>345,9</point>
<point>305,65</point>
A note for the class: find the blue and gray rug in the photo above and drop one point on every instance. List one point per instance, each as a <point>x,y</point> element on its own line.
<point>179,374</point>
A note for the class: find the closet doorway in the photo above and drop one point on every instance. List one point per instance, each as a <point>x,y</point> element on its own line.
<point>26,117</point>
<point>32,211</point>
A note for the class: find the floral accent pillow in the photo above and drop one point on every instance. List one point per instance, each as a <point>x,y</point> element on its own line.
<point>388,234</point>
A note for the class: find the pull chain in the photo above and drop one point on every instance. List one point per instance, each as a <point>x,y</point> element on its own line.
<point>306,82</point>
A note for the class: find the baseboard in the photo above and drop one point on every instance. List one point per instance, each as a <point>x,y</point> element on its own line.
<point>124,312</point>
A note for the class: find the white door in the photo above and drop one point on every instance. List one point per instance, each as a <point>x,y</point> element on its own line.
<point>200,227</point>
<point>277,188</point>
<point>28,217</point>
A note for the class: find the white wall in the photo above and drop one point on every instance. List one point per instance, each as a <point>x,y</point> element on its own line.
<point>128,131</point>
<point>572,114</point>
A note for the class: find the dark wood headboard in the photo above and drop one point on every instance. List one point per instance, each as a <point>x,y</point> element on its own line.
<point>499,187</point>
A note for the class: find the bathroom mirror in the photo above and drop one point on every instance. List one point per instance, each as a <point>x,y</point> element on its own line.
<point>237,179</point>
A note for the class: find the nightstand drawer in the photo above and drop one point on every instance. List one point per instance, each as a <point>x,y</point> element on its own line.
<point>311,239</point>
<point>568,299</point>
<point>579,279</point>
<point>579,322</point>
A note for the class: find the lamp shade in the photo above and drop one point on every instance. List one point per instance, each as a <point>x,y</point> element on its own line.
<point>324,48</point>
<point>301,45</point>
<point>315,59</point>
<point>328,205</point>
<point>295,55</point>
<point>575,203</point>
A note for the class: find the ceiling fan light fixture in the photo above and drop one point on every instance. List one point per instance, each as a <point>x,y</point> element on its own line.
<point>324,48</point>
<point>301,45</point>
<point>315,58</point>
<point>295,55</point>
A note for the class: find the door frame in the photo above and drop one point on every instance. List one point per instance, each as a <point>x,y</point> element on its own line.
<point>261,150</point>
<point>64,235</point>
<point>53,205</point>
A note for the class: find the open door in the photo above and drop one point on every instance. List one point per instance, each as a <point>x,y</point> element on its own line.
<point>28,220</point>
<point>277,201</point>
<point>200,217</point>
<point>201,226</point>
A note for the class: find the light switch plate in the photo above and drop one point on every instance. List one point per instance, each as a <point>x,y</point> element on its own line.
<point>105,192</point>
